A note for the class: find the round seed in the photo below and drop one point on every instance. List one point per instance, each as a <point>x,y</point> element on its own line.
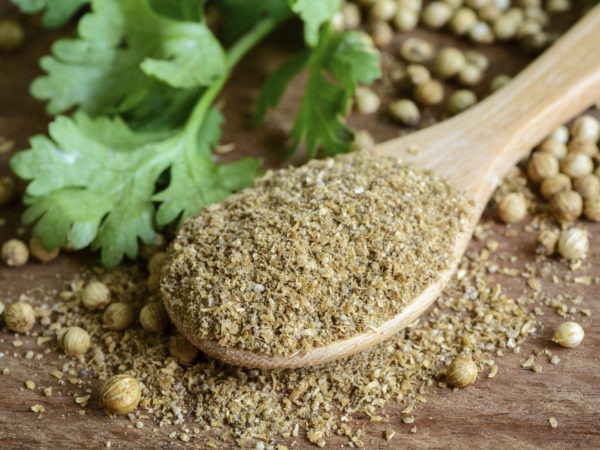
<point>449,62</point>
<point>461,100</point>
<point>568,334</point>
<point>566,206</point>
<point>461,372</point>
<point>367,101</point>
<point>436,14</point>
<point>463,20</point>
<point>405,111</point>
<point>554,147</point>
<point>416,50</point>
<point>541,165</point>
<point>553,185</point>
<point>429,93</point>
<point>576,164</point>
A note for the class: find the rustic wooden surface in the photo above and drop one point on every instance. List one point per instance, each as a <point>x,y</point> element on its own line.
<point>509,411</point>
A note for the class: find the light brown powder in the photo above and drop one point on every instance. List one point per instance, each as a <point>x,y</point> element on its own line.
<point>310,255</point>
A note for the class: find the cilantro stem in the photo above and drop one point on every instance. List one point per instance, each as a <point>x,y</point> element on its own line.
<point>235,53</point>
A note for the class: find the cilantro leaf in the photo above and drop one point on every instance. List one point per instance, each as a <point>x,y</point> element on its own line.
<point>58,12</point>
<point>275,85</point>
<point>102,70</point>
<point>197,182</point>
<point>190,55</point>
<point>314,14</point>
<point>346,59</point>
<point>94,181</point>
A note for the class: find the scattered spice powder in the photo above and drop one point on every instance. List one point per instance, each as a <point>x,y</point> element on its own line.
<point>473,317</point>
<point>311,255</point>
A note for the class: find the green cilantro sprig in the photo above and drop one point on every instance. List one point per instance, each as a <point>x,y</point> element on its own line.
<point>143,76</point>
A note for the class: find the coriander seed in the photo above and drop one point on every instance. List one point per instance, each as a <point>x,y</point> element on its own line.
<point>470,75</point>
<point>481,33</point>
<point>153,317</point>
<point>19,317</point>
<point>588,186</point>
<point>591,208</point>
<point>429,93</point>
<point>416,50</point>
<point>489,12</point>
<point>8,189</point>
<point>499,81</point>
<point>436,14</point>
<point>367,101</point>
<point>573,243</point>
<point>12,34</point>
<point>383,10</point>
<point>449,62</point>
<point>505,26</point>
<point>566,206</point>
<point>39,252</point>
<point>561,133</point>
<point>512,208</point>
<point>576,164</point>
<point>74,341</point>
<point>586,128</point>
<point>461,100</point>
<point>120,394</point>
<point>553,146</point>
<point>405,111</point>
<point>363,141</point>
<point>14,253</point>
<point>553,185</point>
<point>182,350</point>
<point>95,296</point>
<point>541,165</point>
<point>381,33</point>
<point>155,264</point>
<point>461,372</point>
<point>406,19</point>
<point>118,316</point>
<point>568,334</point>
<point>462,21</point>
<point>417,74</point>
<point>350,15</point>
<point>546,243</point>
<point>583,146</point>
<point>557,6</point>
<point>478,59</point>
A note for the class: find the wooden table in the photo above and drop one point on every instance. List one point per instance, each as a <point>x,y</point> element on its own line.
<point>511,410</point>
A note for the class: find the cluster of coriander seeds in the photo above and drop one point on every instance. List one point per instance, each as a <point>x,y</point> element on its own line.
<point>565,166</point>
<point>479,21</point>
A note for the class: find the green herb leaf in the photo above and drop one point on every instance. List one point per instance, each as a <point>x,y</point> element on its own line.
<point>314,14</point>
<point>275,85</point>
<point>190,56</point>
<point>337,65</point>
<point>101,70</point>
<point>197,182</point>
<point>58,12</point>
<point>93,182</point>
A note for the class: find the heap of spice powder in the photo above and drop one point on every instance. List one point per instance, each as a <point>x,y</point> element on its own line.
<point>311,255</point>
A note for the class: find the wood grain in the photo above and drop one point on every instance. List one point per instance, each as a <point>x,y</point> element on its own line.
<point>509,411</point>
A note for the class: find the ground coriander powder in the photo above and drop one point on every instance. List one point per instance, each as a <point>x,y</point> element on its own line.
<point>311,255</point>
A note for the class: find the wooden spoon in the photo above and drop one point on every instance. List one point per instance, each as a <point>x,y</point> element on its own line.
<point>472,150</point>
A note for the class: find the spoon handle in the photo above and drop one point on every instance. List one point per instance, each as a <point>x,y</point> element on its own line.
<point>476,148</point>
